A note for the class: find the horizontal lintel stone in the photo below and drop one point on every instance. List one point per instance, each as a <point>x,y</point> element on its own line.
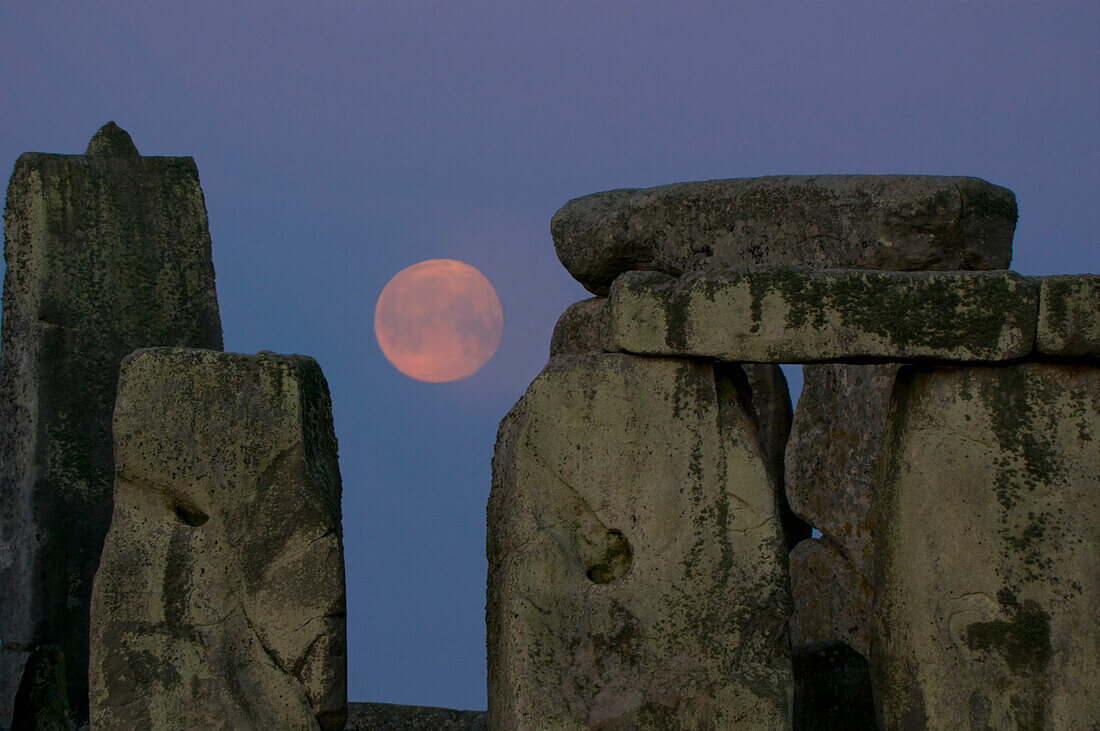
<point>885,222</point>
<point>797,315</point>
<point>1069,316</point>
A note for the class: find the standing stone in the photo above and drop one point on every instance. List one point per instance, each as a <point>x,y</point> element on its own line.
<point>105,252</point>
<point>1069,316</point>
<point>831,481</point>
<point>832,688</point>
<point>891,222</point>
<point>219,600</point>
<point>637,576</point>
<point>986,550</point>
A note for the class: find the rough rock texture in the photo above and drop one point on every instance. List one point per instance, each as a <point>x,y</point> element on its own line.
<point>1069,316</point>
<point>794,315</point>
<point>637,576</point>
<point>105,253</point>
<point>890,222</point>
<point>219,600</point>
<point>832,462</point>
<point>391,717</point>
<point>771,401</point>
<point>584,327</point>
<point>987,608</point>
<point>832,688</point>
<point>832,600</point>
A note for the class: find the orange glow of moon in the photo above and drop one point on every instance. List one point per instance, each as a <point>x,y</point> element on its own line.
<point>438,321</point>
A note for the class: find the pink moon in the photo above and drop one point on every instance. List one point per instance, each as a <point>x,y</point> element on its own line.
<point>438,321</point>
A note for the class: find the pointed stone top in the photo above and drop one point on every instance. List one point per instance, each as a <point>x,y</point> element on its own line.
<point>111,140</point>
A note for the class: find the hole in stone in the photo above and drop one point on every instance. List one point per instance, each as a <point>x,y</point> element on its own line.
<point>191,515</point>
<point>614,561</point>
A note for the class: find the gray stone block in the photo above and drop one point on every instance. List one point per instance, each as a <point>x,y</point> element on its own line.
<point>986,545</point>
<point>890,222</point>
<point>105,252</point>
<point>793,315</point>
<point>584,327</point>
<point>219,600</point>
<point>637,571</point>
<point>1069,316</point>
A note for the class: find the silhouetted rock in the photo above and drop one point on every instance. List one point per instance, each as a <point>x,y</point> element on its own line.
<point>986,543</point>
<point>105,253</point>
<point>392,717</point>
<point>41,703</point>
<point>111,140</point>
<point>219,600</point>
<point>637,572</point>
<point>832,688</point>
<point>793,315</point>
<point>889,222</point>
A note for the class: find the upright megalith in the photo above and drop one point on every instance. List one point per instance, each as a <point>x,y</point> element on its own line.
<point>891,222</point>
<point>105,252</point>
<point>219,600</point>
<point>986,545</point>
<point>637,572</point>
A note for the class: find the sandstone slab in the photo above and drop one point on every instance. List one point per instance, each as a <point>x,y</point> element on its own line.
<point>637,573</point>
<point>832,600</point>
<point>105,252</point>
<point>793,315</point>
<point>219,600</point>
<point>988,531</point>
<point>1069,316</point>
<point>889,222</point>
<point>584,327</point>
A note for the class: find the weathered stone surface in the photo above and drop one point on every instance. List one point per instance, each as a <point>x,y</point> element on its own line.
<point>637,576</point>
<point>105,253</point>
<point>392,717</point>
<point>987,537</point>
<point>1069,316</point>
<point>793,315</point>
<point>771,401</point>
<point>832,600</point>
<point>584,327</point>
<point>219,600</point>
<point>891,222</point>
<point>42,703</point>
<point>832,688</point>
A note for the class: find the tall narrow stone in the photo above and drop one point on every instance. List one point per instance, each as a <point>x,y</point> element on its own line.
<point>637,576</point>
<point>986,547</point>
<point>219,600</point>
<point>105,252</point>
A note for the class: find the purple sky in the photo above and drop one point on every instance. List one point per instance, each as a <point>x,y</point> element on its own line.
<point>340,142</point>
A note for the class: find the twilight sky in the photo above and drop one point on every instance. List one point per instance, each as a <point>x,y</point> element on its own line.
<point>340,142</point>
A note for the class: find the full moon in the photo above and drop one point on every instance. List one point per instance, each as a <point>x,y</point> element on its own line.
<point>438,321</point>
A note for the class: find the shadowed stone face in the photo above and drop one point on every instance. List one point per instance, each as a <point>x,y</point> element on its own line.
<point>889,222</point>
<point>105,252</point>
<point>220,594</point>
<point>987,533</point>
<point>637,576</point>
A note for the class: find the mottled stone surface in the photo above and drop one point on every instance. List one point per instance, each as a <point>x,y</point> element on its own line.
<point>637,576</point>
<point>584,327</point>
<point>393,717</point>
<point>794,315</point>
<point>890,222</point>
<point>105,252</point>
<point>1069,316</point>
<point>219,600</point>
<point>832,600</point>
<point>988,531</point>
